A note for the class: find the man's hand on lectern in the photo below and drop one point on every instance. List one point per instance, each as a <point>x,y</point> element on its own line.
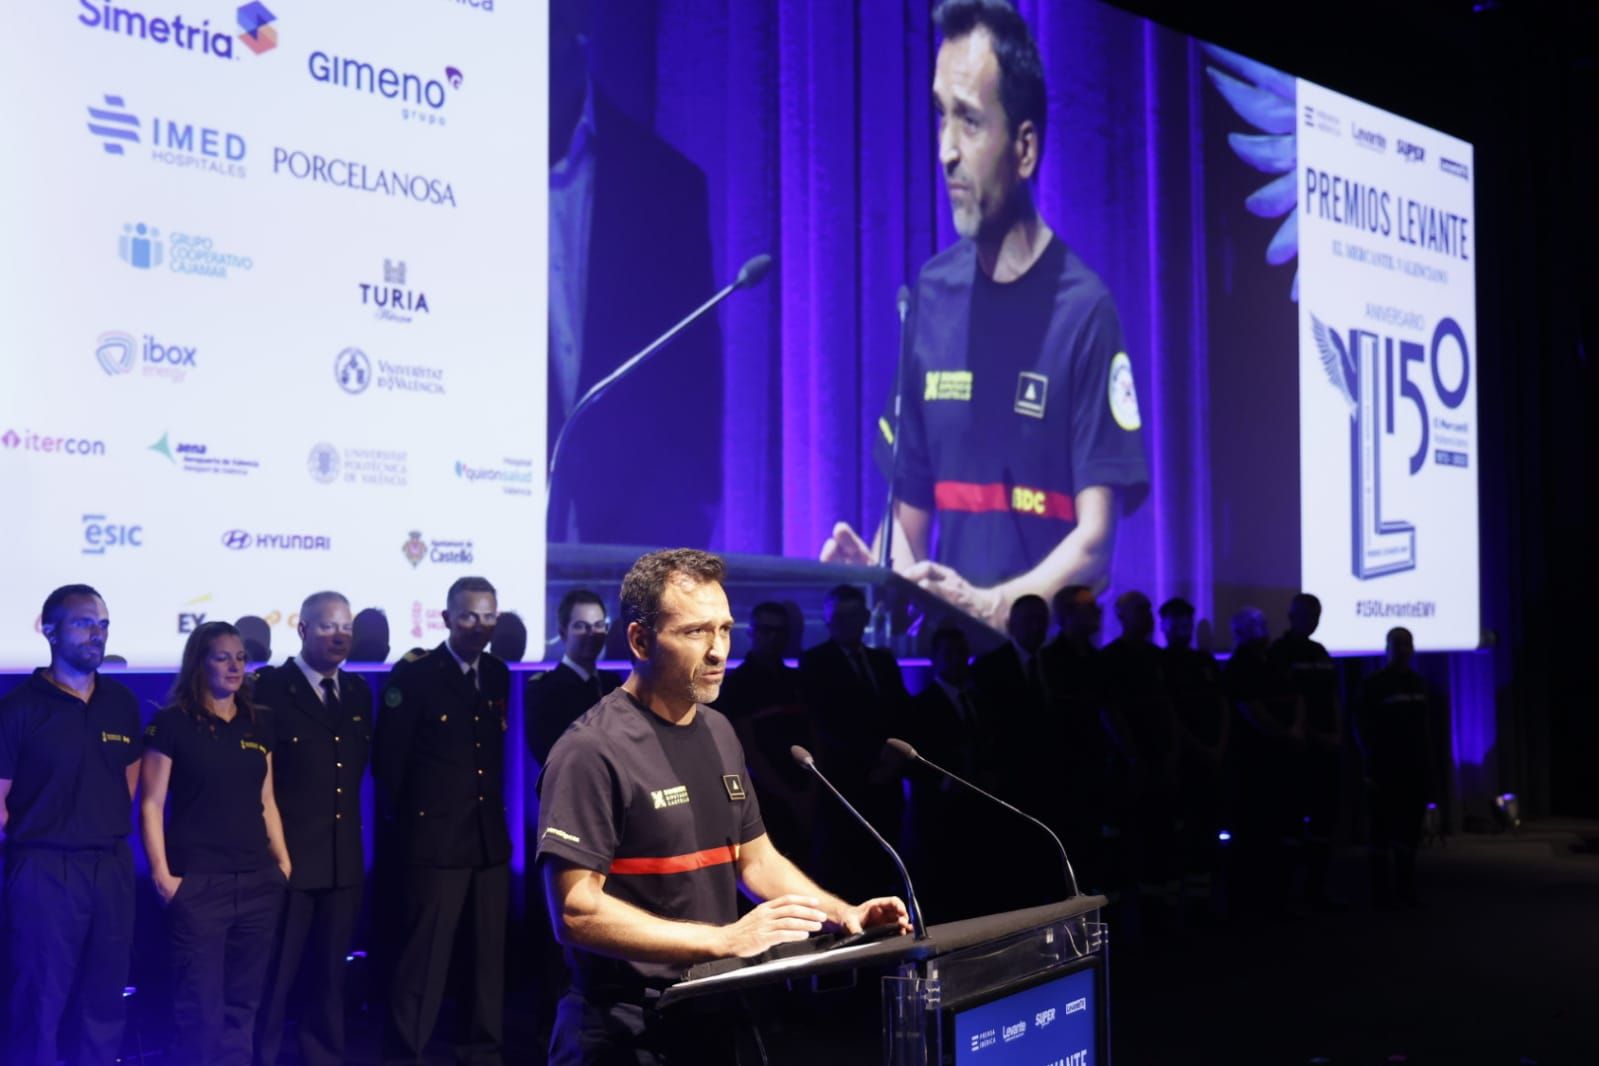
<point>884,910</point>
<point>777,921</point>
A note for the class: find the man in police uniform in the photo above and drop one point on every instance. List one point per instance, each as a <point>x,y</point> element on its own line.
<point>647,827</point>
<point>555,698</point>
<point>69,761</point>
<point>438,757</point>
<point>1019,420</point>
<point>322,720</point>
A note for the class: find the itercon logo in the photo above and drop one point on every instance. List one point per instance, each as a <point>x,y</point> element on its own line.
<point>185,35</point>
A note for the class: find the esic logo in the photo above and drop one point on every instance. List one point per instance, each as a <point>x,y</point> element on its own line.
<point>174,143</point>
<point>100,535</point>
<point>254,19</point>
<point>1413,153</point>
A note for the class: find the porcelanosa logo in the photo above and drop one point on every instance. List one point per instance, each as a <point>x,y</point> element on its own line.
<point>142,247</point>
<point>118,353</point>
<point>359,177</point>
<point>422,97</point>
<point>185,35</point>
<point>392,301</point>
<point>178,144</point>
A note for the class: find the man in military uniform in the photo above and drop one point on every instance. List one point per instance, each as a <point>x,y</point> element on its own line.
<point>1018,426</point>
<point>69,759</point>
<point>1309,672</point>
<point>438,757</point>
<point>322,719</point>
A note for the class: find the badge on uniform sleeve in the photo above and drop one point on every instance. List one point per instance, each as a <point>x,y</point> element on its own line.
<point>392,696</point>
<point>1123,396</point>
<point>1032,390</point>
<point>734,783</point>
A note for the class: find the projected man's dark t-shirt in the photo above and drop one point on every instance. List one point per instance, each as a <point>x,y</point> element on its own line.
<point>1017,396</point>
<point>661,810</point>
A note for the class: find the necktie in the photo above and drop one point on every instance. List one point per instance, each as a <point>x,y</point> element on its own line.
<point>471,678</point>
<point>1035,679</point>
<point>330,695</point>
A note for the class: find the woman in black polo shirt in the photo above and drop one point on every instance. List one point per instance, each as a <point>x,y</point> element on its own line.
<point>217,856</point>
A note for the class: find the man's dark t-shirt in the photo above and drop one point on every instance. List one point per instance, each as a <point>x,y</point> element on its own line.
<point>1308,669</point>
<point>661,810</point>
<point>1017,396</point>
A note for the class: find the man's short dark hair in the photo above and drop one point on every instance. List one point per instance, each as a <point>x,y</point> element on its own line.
<point>1021,72</point>
<point>56,602</point>
<point>1030,602</point>
<point>1309,599</point>
<point>1065,599</point>
<point>840,593</point>
<point>468,584</point>
<point>1177,606</point>
<point>563,612</point>
<point>317,599</point>
<point>645,583</point>
<point>770,608</point>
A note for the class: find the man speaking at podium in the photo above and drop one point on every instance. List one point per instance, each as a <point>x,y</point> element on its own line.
<point>647,827</point>
<point>1019,421</point>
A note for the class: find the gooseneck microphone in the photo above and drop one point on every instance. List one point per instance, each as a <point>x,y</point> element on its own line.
<point>911,753</point>
<point>749,274</point>
<point>804,758</point>
<point>902,307</point>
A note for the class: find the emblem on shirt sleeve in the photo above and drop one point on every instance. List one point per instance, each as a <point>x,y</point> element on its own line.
<point>1123,396</point>
<point>1032,392</point>
<point>734,783</point>
<point>392,696</point>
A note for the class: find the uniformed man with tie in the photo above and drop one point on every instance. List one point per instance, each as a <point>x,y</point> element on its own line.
<point>556,698</point>
<point>322,717</point>
<point>439,764</point>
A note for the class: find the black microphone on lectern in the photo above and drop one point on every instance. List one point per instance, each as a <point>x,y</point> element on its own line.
<point>749,274</point>
<point>804,758</point>
<point>1066,863</point>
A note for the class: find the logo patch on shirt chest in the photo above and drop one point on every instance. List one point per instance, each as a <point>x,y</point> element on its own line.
<point>675,796</point>
<point>1032,392</point>
<point>947,385</point>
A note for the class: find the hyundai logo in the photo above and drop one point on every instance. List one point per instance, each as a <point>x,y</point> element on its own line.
<point>235,540</point>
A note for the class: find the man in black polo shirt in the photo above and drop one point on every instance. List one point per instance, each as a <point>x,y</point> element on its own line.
<point>1019,422</point>
<point>438,757</point>
<point>322,719</point>
<point>647,826</point>
<point>555,698</point>
<point>69,760</point>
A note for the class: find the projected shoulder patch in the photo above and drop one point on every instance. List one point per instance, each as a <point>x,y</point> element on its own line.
<point>1123,396</point>
<point>392,696</point>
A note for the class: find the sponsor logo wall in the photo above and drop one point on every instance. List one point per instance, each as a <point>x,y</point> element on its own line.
<point>266,263</point>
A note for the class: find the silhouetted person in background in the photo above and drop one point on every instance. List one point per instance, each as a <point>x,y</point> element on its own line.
<point>1310,674</point>
<point>948,723</point>
<point>763,700</point>
<point>369,639</point>
<point>1392,729</point>
<point>1270,728</point>
<point>1143,731</point>
<point>257,638</point>
<point>510,638</point>
<point>1075,730</point>
<point>1203,728</point>
<point>558,697</point>
<point>855,695</point>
